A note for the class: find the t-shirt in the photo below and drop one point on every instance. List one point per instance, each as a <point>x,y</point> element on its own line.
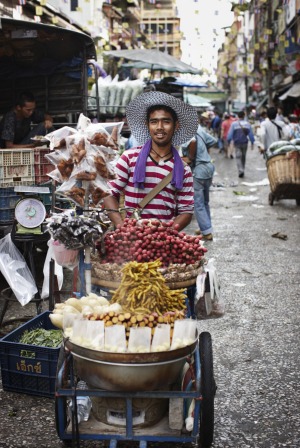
<point>167,203</point>
<point>16,130</point>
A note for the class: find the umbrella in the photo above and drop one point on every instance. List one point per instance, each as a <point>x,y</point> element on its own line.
<point>154,60</point>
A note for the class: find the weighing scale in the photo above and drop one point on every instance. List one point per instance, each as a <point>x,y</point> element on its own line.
<point>30,211</point>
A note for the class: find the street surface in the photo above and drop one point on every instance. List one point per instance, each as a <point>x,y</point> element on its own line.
<point>256,342</point>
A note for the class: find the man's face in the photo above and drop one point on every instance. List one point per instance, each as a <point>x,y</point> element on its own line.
<point>161,127</point>
<point>27,110</point>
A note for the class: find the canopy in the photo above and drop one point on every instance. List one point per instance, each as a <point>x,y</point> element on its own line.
<point>196,100</point>
<point>181,82</point>
<point>153,60</point>
<point>294,91</point>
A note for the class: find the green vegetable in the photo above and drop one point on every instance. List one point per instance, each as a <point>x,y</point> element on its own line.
<point>42,337</point>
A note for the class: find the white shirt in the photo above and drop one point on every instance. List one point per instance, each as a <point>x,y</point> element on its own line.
<point>269,132</point>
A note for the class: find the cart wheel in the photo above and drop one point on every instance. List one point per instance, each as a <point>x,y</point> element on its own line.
<point>271,199</point>
<point>208,390</point>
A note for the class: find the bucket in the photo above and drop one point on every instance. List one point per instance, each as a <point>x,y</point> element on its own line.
<point>67,258</point>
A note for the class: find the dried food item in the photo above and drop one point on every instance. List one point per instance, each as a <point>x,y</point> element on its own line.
<point>61,144</point>
<point>65,167</point>
<point>115,134</point>
<point>77,194</point>
<point>101,167</point>
<point>103,139</point>
<point>75,232</point>
<point>78,151</point>
<point>86,175</point>
<point>97,194</point>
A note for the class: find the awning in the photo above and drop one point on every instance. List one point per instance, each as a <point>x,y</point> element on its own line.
<point>294,92</point>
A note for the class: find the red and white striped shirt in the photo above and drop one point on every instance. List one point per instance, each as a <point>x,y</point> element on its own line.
<point>168,202</point>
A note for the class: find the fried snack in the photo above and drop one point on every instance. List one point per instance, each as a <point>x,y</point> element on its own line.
<point>77,194</point>
<point>78,151</point>
<point>86,175</point>
<point>97,194</point>
<point>61,144</point>
<point>115,134</point>
<point>100,165</point>
<point>143,289</point>
<point>65,167</point>
<point>103,139</point>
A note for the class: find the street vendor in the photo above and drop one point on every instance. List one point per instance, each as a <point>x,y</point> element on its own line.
<point>16,130</point>
<point>159,122</point>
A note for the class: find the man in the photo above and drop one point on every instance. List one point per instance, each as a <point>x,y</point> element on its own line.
<point>159,122</point>
<point>15,127</point>
<point>272,129</point>
<point>203,170</point>
<point>240,132</point>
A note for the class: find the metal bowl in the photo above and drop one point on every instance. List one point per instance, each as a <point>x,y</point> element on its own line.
<point>129,371</point>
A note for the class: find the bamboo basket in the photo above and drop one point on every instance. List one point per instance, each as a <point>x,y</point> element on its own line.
<point>171,285</point>
<point>284,175</point>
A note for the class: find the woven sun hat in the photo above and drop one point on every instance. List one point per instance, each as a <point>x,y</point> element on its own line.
<point>136,113</point>
<point>205,115</point>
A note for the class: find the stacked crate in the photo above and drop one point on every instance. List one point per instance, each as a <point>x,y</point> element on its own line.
<point>21,167</point>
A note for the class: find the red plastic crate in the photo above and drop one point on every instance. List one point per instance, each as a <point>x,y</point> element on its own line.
<point>39,156</point>
<point>41,171</point>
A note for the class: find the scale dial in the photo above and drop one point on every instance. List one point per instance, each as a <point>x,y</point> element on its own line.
<point>30,212</point>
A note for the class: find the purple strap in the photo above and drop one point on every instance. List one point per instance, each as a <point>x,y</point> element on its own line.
<point>140,167</point>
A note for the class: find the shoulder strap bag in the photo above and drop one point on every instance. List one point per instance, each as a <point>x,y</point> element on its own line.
<point>163,183</point>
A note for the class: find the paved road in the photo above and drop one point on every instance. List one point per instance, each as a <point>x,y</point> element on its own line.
<point>256,342</point>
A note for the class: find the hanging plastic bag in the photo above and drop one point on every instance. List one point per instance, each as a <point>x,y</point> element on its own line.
<point>58,271</point>
<point>16,272</point>
<point>208,299</point>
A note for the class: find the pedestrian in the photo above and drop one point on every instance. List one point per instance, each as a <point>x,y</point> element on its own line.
<point>225,126</point>
<point>16,129</point>
<point>203,169</point>
<point>294,127</point>
<point>272,129</point>
<point>216,129</point>
<point>160,122</point>
<point>240,133</point>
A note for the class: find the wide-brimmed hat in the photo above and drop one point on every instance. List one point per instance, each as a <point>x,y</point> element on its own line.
<point>136,113</point>
<point>205,115</point>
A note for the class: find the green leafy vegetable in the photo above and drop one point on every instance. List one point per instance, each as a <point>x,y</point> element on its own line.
<point>42,337</point>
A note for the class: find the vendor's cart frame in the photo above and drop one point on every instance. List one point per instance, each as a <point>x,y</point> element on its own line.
<point>201,388</point>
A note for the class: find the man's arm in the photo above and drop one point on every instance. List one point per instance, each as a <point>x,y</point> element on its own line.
<point>9,145</point>
<point>183,220</point>
<point>111,203</point>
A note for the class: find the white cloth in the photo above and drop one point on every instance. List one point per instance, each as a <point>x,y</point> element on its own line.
<point>269,132</point>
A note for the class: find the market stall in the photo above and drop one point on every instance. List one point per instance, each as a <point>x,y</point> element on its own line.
<point>137,353</point>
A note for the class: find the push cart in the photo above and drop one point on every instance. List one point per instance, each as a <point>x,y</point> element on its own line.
<point>157,396</point>
<point>284,176</point>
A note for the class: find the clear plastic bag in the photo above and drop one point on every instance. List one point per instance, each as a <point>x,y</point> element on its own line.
<point>16,272</point>
<point>161,338</point>
<point>209,302</point>
<point>68,258</point>
<point>115,339</point>
<point>184,333</point>
<point>139,340</point>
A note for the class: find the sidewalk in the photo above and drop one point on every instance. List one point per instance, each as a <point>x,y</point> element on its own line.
<point>255,344</point>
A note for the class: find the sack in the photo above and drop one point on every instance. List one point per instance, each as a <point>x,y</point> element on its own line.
<point>16,272</point>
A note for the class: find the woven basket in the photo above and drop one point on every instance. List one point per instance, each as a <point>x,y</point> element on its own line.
<point>171,285</point>
<point>284,174</point>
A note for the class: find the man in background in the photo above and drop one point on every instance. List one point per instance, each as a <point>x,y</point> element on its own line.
<point>272,129</point>
<point>240,133</point>
<point>16,129</point>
